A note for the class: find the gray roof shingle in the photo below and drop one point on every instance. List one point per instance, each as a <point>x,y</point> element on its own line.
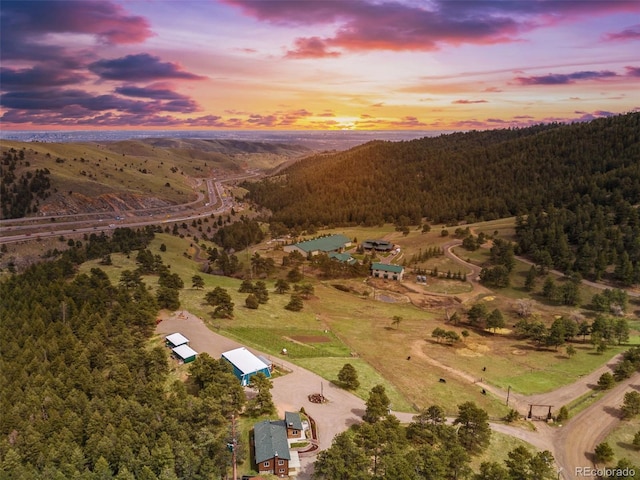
<point>270,438</point>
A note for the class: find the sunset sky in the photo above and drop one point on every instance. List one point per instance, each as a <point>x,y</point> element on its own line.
<point>299,65</point>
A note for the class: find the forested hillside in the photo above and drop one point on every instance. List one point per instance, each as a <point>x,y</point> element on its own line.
<point>84,395</point>
<point>588,174</point>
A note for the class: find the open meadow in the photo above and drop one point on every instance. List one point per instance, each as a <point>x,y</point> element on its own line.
<point>337,327</point>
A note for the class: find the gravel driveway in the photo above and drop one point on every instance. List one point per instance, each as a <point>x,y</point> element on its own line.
<point>289,391</point>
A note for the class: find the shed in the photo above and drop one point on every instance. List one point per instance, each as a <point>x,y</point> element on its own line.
<point>176,339</point>
<point>384,270</point>
<point>245,364</point>
<point>185,353</point>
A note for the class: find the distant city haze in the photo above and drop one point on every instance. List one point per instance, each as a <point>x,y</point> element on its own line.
<point>315,140</point>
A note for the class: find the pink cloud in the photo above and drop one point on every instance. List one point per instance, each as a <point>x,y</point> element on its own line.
<point>312,47</point>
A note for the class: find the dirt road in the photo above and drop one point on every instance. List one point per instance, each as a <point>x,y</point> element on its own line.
<point>289,391</point>
<point>575,442</point>
<point>570,444</point>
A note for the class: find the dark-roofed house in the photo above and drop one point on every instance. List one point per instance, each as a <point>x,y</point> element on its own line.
<point>245,364</point>
<point>383,270</point>
<point>271,447</point>
<point>328,244</point>
<point>377,245</point>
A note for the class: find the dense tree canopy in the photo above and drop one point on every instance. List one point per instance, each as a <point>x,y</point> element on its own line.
<point>575,187</point>
<point>84,395</point>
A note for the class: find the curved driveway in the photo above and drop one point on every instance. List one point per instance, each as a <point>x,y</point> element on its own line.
<point>289,391</point>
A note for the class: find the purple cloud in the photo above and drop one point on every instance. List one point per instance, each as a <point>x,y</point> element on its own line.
<point>38,77</point>
<point>631,33</point>
<point>565,78</point>
<point>396,26</point>
<point>24,25</point>
<point>468,102</point>
<point>633,71</point>
<point>140,67</point>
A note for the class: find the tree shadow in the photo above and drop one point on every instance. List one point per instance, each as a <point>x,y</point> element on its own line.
<point>614,412</point>
<point>627,446</point>
<point>358,411</point>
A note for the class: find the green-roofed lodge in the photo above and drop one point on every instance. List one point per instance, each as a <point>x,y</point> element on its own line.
<point>327,244</point>
<point>387,271</point>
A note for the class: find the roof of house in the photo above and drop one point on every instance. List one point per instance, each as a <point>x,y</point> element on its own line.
<point>177,339</point>
<point>324,244</point>
<point>385,267</point>
<point>293,420</point>
<point>270,438</point>
<point>244,360</point>
<point>265,360</point>
<point>377,243</point>
<point>184,351</point>
<point>342,257</point>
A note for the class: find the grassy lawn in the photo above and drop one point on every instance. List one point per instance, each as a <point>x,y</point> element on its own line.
<point>350,327</point>
<point>621,438</point>
<point>498,449</point>
<point>329,367</point>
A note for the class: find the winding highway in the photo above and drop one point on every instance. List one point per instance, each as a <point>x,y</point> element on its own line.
<point>32,228</point>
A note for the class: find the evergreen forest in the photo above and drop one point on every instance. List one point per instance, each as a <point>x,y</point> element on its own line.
<point>575,189</point>
<point>85,393</point>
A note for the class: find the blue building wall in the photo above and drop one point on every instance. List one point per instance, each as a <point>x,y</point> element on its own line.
<point>245,377</point>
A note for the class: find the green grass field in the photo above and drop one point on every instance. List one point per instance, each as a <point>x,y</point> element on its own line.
<point>621,438</point>
<point>354,328</point>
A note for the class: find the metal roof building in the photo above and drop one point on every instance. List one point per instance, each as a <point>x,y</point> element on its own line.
<point>185,353</point>
<point>330,243</point>
<point>245,364</point>
<point>176,339</point>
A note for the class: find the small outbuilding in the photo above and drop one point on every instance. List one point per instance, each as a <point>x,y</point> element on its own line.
<point>387,271</point>
<point>175,340</point>
<point>185,353</point>
<point>245,364</point>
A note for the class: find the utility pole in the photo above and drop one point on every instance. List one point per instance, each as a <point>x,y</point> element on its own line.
<point>232,447</point>
<point>508,393</point>
<point>235,444</point>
